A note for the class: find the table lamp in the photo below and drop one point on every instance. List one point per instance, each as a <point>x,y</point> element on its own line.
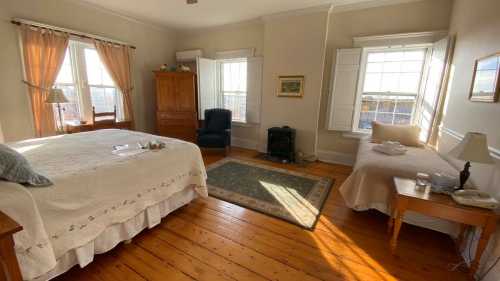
<point>57,96</point>
<point>473,148</point>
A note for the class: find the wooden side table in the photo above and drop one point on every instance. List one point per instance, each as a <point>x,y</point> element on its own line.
<point>407,198</point>
<point>9,268</point>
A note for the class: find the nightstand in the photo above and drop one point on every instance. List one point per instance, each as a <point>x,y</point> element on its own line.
<point>9,268</point>
<point>407,198</point>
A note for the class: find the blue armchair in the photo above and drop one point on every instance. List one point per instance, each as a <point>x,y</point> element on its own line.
<point>216,131</point>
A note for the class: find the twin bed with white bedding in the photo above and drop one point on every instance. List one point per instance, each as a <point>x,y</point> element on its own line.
<point>98,198</point>
<point>370,185</point>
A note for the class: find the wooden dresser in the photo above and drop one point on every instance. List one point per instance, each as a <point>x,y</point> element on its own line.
<point>176,105</point>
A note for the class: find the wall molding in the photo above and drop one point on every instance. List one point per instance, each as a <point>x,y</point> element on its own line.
<point>315,9</point>
<point>244,143</point>
<point>334,157</point>
<point>341,6</point>
<point>495,152</point>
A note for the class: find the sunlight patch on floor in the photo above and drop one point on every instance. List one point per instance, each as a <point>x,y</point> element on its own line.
<point>294,203</point>
<point>346,261</point>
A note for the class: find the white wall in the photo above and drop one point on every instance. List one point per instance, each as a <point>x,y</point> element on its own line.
<point>294,45</point>
<point>476,25</point>
<point>155,46</point>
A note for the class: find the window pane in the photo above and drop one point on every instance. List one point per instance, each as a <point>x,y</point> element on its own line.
<point>65,74</point>
<point>392,67</point>
<point>388,109</point>
<point>374,67</point>
<point>394,71</point>
<point>394,56</point>
<point>402,119</point>
<point>237,104</point>
<point>372,82</point>
<point>405,106</point>
<point>234,88</point>
<point>70,111</point>
<point>96,73</point>
<point>103,99</point>
<point>409,83</point>
<point>368,105</point>
<point>235,76</point>
<point>387,105</point>
<point>376,57</point>
<point>390,82</point>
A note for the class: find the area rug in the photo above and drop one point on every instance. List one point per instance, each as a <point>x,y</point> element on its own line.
<point>292,196</point>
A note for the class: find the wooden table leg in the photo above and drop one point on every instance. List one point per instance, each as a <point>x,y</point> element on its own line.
<point>392,212</point>
<point>488,229</point>
<point>8,260</point>
<point>400,209</point>
<point>461,237</point>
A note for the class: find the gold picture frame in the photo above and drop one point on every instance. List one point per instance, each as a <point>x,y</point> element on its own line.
<point>291,86</point>
<point>485,80</point>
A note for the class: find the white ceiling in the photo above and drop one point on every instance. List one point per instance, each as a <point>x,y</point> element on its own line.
<point>207,13</point>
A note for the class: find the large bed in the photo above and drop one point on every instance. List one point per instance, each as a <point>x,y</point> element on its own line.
<point>370,185</point>
<point>98,199</point>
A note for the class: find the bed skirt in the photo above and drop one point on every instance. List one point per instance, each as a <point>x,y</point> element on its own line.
<point>117,233</point>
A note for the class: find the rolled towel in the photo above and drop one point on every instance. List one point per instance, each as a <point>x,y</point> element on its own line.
<point>395,150</point>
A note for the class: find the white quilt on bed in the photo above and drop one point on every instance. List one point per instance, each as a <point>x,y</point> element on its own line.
<point>370,185</point>
<point>93,189</point>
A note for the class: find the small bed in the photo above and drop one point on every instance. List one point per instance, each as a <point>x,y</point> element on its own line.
<point>98,199</point>
<point>370,185</point>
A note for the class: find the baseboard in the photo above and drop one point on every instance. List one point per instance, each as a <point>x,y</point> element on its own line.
<point>334,157</point>
<point>244,143</point>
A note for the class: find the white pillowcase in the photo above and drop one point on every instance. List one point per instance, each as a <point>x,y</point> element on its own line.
<point>404,134</point>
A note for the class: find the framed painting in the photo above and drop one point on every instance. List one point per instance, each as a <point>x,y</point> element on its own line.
<point>291,86</point>
<point>485,85</point>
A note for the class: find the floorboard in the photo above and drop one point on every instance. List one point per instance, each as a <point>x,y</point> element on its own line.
<point>215,240</point>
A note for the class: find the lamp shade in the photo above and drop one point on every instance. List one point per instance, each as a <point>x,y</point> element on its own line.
<point>473,148</point>
<point>56,96</point>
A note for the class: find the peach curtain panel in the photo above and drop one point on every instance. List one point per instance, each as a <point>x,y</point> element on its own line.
<point>43,55</point>
<point>116,59</point>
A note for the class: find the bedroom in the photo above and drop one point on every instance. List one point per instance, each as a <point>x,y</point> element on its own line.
<point>305,42</point>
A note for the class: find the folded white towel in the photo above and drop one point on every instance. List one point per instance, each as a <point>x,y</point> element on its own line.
<point>391,144</point>
<point>390,149</point>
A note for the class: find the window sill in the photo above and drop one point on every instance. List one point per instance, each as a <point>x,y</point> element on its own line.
<point>356,135</point>
<point>243,125</point>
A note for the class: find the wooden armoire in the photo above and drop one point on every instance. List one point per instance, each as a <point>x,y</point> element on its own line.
<point>176,105</point>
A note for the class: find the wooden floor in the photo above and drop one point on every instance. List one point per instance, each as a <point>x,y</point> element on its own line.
<point>214,240</point>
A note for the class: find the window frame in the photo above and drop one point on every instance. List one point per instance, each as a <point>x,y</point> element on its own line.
<point>220,87</point>
<point>78,63</point>
<point>361,81</point>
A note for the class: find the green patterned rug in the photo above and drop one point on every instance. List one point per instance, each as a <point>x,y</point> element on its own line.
<point>288,195</point>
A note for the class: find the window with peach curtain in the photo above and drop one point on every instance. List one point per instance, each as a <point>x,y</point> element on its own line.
<point>116,59</point>
<point>43,54</point>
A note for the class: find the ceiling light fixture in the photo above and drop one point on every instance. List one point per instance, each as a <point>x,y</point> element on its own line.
<point>191,2</point>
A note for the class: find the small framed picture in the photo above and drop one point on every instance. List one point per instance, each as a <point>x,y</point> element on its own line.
<point>485,82</point>
<point>291,86</point>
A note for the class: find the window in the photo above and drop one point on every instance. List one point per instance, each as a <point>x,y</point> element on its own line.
<point>66,81</point>
<point>234,87</point>
<point>86,84</point>
<point>390,86</point>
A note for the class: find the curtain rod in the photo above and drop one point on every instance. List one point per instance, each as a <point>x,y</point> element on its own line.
<point>17,21</point>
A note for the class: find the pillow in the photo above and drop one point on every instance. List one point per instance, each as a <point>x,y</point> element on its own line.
<point>404,134</point>
<point>15,168</point>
